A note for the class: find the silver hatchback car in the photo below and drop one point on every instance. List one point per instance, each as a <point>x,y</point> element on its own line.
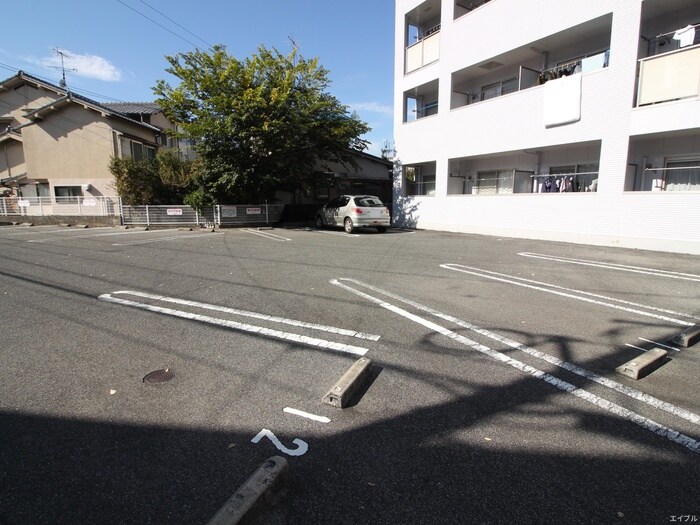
<point>354,211</point>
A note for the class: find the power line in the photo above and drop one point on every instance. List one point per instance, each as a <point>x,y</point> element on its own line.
<point>159,24</point>
<point>174,22</point>
<point>50,81</point>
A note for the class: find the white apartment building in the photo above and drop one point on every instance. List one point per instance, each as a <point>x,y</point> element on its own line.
<point>565,120</point>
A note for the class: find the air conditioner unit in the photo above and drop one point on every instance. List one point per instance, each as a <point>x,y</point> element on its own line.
<point>85,187</point>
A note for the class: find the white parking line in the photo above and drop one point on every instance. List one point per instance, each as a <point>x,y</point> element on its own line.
<point>84,235</point>
<point>39,230</point>
<point>613,266</point>
<point>622,412</point>
<point>163,239</point>
<point>255,315</point>
<point>659,344</point>
<point>258,330</point>
<point>342,234</point>
<point>307,415</point>
<point>614,385</point>
<point>267,235</point>
<point>554,289</point>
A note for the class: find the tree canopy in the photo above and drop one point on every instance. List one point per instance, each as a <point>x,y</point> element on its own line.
<point>258,124</point>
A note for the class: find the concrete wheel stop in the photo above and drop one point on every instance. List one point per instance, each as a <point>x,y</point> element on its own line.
<point>352,381</point>
<point>644,364</point>
<point>251,498</point>
<point>688,338</point>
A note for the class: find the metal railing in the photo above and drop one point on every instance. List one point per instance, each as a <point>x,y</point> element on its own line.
<point>218,215</point>
<point>248,214</point>
<point>146,215</point>
<point>61,206</point>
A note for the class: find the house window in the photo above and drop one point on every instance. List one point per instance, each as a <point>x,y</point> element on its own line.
<point>137,152</point>
<point>67,194</point>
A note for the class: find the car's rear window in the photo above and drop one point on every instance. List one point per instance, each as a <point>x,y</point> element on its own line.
<point>368,202</point>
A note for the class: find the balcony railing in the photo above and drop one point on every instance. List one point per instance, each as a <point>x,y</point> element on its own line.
<point>670,76</point>
<point>425,51</point>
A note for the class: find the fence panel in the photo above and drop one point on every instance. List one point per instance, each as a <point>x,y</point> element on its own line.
<point>220,215</point>
<point>61,206</point>
<point>159,215</point>
<point>231,215</point>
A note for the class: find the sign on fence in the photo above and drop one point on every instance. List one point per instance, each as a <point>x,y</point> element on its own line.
<point>174,211</point>
<point>253,211</point>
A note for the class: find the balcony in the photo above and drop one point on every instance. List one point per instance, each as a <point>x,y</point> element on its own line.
<point>462,7</point>
<point>669,76</point>
<point>424,52</point>
<point>421,102</point>
<point>582,49</point>
<point>422,35</point>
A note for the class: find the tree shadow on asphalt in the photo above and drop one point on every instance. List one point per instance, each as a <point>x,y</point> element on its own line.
<point>431,464</point>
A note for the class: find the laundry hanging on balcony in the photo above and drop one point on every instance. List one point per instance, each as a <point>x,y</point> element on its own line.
<point>685,36</point>
<point>562,101</point>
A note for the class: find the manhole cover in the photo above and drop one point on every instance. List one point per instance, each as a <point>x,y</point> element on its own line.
<point>159,376</point>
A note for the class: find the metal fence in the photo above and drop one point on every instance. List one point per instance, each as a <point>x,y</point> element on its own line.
<point>61,206</point>
<point>248,214</point>
<point>218,215</point>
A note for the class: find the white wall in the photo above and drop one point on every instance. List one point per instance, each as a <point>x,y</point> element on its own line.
<point>514,123</point>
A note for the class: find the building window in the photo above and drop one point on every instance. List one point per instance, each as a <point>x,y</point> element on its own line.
<point>419,181</point>
<point>682,175</point>
<point>494,182</point>
<point>136,150</point>
<point>498,89</point>
<point>570,178</point>
<point>67,194</point>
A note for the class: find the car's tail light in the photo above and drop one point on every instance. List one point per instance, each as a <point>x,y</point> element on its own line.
<point>358,211</point>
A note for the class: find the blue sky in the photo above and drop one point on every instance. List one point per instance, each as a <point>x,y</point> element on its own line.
<point>119,53</point>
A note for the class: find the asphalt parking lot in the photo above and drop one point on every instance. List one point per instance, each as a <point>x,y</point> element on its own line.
<point>493,396</point>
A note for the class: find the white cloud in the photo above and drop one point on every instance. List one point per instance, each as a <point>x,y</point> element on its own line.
<point>372,107</point>
<point>88,66</point>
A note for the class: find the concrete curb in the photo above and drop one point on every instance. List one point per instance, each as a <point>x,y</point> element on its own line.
<point>341,393</point>
<point>249,499</point>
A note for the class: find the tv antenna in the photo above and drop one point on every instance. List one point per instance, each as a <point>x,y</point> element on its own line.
<point>295,47</point>
<point>63,55</point>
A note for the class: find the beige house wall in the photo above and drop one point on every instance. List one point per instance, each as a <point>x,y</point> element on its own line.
<point>22,99</point>
<point>69,148</point>
<point>73,146</point>
<point>11,159</point>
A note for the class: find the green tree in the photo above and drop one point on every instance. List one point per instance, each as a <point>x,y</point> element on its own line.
<point>258,124</point>
<point>166,179</point>
<point>136,182</point>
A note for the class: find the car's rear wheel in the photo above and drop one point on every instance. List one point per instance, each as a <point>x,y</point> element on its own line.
<point>347,224</point>
<point>319,222</point>
<point>381,229</point>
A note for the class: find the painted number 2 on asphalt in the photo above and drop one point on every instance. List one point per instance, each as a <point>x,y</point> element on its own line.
<point>302,446</point>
